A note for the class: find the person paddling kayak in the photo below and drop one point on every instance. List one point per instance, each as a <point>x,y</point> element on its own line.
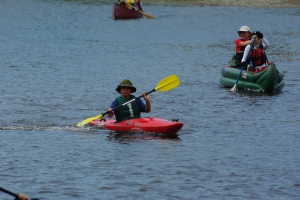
<point>131,110</point>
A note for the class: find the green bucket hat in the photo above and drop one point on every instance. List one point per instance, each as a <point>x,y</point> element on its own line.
<point>127,83</point>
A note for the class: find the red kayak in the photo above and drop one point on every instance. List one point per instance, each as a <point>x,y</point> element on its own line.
<point>119,12</point>
<point>146,124</point>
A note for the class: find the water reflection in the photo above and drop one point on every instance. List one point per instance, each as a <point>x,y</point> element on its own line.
<point>127,137</point>
<point>60,62</point>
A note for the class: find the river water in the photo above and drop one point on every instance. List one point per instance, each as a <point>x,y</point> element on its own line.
<point>61,61</point>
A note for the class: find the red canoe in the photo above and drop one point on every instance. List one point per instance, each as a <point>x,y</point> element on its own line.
<point>146,124</point>
<point>119,12</point>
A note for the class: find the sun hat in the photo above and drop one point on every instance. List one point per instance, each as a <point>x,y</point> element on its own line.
<point>244,29</point>
<point>127,83</point>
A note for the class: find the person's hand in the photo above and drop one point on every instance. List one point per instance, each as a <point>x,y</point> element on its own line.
<point>244,64</point>
<point>258,34</point>
<point>110,112</point>
<point>22,197</point>
<point>146,97</point>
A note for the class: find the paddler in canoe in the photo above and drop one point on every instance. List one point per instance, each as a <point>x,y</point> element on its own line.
<point>241,43</point>
<point>133,3</point>
<point>131,110</point>
<point>255,59</point>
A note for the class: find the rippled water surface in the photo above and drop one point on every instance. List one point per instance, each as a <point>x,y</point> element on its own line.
<point>61,61</point>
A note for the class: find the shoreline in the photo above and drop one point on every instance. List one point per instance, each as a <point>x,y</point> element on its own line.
<point>235,3</point>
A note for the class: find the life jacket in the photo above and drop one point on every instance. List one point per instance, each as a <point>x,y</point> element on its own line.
<point>257,56</point>
<point>239,55</point>
<point>131,110</point>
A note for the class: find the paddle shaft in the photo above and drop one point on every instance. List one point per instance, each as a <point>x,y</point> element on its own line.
<point>13,194</point>
<point>8,192</point>
<point>128,102</point>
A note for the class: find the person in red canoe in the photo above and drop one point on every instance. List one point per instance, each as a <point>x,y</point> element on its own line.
<point>131,110</point>
<point>134,3</point>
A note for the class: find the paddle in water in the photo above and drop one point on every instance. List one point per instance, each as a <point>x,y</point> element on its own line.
<point>237,80</point>
<point>163,85</point>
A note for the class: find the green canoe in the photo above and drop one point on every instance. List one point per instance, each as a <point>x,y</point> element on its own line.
<point>270,80</point>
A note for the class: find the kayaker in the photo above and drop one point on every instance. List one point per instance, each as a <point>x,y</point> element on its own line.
<point>257,56</point>
<point>241,42</point>
<point>131,110</point>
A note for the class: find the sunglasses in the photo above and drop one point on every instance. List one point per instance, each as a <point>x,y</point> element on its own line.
<point>126,87</point>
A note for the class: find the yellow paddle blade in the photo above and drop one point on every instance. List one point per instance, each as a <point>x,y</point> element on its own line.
<point>167,83</point>
<point>86,121</point>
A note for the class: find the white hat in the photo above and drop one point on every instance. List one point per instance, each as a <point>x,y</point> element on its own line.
<point>244,29</point>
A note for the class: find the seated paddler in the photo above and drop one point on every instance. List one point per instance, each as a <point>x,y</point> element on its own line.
<point>129,4</point>
<point>130,110</point>
<point>254,59</point>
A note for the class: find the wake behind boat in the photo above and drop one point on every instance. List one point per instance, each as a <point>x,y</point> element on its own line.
<point>145,124</point>
<point>119,12</point>
<point>266,80</point>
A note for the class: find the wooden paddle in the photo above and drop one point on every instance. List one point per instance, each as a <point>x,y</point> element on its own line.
<point>237,80</point>
<point>163,85</point>
<point>13,194</point>
<point>145,14</point>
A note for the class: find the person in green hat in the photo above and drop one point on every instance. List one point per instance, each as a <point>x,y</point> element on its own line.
<point>131,110</point>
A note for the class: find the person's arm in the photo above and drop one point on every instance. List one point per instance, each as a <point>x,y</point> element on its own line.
<point>245,43</point>
<point>265,43</point>
<point>110,111</point>
<point>144,107</point>
<point>148,104</point>
<point>246,52</point>
<point>239,43</point>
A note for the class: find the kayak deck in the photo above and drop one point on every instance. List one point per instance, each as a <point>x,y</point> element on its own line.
<point>147,124</point>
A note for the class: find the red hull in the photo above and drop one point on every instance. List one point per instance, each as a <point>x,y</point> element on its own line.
<point>119,12</point>
<point>147,124</point>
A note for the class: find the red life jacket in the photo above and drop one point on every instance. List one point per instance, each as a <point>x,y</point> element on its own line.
<point>239,50</point>
<point>257,56</point>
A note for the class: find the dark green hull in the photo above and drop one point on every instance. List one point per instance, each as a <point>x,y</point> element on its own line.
<point>269,80</point>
